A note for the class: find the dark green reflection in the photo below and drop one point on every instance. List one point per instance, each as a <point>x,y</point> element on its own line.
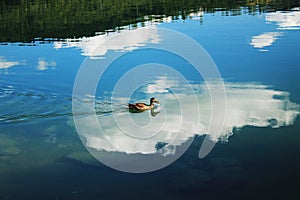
<point>24,20</point>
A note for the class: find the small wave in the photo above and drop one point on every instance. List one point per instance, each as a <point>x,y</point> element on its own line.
<point>28,105</point>
<point>20,105</point>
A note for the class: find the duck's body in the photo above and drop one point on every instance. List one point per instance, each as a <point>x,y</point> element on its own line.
<point>140,107</point>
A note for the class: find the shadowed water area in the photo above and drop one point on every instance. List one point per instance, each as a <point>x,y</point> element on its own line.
<point>44,155</point>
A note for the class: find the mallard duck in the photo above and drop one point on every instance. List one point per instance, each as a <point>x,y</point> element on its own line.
<point>140,107</point>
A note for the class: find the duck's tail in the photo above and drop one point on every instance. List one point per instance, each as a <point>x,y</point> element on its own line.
<point>131,106</point>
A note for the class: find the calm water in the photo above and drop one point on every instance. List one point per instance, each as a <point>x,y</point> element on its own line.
<point>255,47</point>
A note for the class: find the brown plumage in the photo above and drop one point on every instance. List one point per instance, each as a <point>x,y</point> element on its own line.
<point>140,107</point>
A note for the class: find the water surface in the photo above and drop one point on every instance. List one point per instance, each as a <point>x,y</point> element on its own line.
<point>255,48</point>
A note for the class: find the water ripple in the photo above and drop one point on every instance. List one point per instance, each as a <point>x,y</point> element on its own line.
<point>24,105</point>
<point>27,105</point>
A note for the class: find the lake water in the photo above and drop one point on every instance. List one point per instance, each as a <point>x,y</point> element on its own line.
<point>57,89</point>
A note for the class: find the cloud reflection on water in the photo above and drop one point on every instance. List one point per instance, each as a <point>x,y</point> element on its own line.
<point>265,39</point>
<point>248,104</point>
<point>124,43</point>
<point>44,65</point>
<point>288,20</point>
<point>5,64</point>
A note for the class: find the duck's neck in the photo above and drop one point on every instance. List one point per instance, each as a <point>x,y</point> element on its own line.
<point>151,104</point>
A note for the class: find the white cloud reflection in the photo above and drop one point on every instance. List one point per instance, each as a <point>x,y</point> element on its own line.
<point>247,104</point>
<point>196,15</point>
<point>265,39</point>
<point>5,64</point>
<point>288,20</point>
<point>44,65</point>
<point>125,42</point>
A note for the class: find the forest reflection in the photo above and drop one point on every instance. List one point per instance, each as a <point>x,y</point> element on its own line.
<point>25,21</point>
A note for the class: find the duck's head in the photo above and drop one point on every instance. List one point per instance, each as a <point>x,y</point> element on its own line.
<point>153,100</point>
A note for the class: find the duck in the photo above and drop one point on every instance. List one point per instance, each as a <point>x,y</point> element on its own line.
<point>140,107</point>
